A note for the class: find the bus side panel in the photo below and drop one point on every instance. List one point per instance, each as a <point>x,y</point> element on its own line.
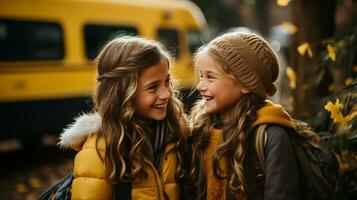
<point>19,119</point>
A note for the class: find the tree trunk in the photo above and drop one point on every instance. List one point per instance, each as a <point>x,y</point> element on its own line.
<point>315,22</point>
<point>262,17</point>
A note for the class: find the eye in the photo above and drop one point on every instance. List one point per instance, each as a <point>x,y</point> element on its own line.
<point>210,77</point>
<point>152,88</point>
<point>168,82</point>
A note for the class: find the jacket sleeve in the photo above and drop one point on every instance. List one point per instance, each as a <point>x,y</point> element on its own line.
<point>282,171</point>
<point>89,177</point>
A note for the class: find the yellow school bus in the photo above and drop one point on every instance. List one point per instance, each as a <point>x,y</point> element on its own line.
<point>47,49</point>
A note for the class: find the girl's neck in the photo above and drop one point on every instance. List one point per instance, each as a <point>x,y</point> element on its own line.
<point>145,121</point>
<point>217,121</point>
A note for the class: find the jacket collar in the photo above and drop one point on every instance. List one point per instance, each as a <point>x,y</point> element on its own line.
<point>272,113</point>
<point>83,126</point>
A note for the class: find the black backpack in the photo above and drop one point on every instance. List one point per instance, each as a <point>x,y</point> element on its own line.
<point>319,168</point>
<point>62,190</point>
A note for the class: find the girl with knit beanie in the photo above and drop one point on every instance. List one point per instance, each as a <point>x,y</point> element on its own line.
<point>237,73</point>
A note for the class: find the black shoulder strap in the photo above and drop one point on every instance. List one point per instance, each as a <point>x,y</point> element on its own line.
<point>122,191</point>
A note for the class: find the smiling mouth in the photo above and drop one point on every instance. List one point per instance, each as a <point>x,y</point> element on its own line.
<point>159,106</point>
<point>208,98</point>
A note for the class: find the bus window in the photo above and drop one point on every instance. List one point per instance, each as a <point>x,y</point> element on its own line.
<point>30,40</point>
<point>170,38</point>
<point>195,40</point>
<point>96,36</point>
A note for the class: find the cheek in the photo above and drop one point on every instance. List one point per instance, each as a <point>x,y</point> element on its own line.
<point>221,92</point>
<point>149,100</point>
<point>216,89</point>
<point>143,101</point>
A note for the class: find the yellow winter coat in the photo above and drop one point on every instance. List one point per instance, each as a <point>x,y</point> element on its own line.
<point>89,172</point>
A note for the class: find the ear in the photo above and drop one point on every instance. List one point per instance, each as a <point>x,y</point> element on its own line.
<point>245,90</point>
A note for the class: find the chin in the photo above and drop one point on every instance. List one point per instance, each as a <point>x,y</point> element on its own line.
<point>158,117</point>
<point>210,110</point>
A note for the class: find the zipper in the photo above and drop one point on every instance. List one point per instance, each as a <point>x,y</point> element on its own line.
<point>157,177</point>
<point>159,186</point>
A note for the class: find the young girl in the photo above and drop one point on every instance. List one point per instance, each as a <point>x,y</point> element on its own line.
<point>134,135</point>
<point>237,72</point>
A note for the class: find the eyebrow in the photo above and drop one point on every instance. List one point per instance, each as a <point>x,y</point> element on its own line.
<point>155,82</point>
<point>209,72</point>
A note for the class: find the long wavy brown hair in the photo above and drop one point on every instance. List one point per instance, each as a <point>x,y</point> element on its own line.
<point>236,121</point>
<point>120,63</point>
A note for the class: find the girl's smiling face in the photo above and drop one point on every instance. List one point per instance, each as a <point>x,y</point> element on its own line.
<point>154,91</point>
<point>218,89</point>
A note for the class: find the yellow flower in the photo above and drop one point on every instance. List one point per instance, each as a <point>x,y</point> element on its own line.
<point>350,116</point>
<point>336,114</point>
<point>335,110</point>
<point>291,76</point>
<point>341,165</point>
<point>348,81</point>
<point>282,3</point>
<point>331,52</point>
<point>291,28</point>
<point>303,48</point>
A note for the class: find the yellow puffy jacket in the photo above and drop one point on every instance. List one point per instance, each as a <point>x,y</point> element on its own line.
<point>89,172</point>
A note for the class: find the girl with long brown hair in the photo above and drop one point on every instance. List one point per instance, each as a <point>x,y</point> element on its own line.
<point>135,133</point>
<point>237,73</point>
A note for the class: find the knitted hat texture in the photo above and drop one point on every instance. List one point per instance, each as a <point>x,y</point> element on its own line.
<point>250,59</point>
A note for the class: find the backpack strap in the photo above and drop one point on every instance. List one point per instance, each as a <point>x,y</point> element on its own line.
<point>260,142</point>
<point>122,190</point>
<point>60,190</point>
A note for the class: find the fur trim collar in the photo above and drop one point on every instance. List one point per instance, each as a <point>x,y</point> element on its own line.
<point>83,126</point>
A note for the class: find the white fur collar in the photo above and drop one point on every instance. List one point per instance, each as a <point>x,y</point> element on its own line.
<point>83,126</point>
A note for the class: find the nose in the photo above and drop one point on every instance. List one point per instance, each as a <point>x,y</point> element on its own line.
<point>201,87</point>
<point>165,93</point>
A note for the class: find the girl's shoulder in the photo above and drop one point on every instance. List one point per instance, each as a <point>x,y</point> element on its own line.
<point>91,142</point>
<point>277,136</point>
<point>276,131</point>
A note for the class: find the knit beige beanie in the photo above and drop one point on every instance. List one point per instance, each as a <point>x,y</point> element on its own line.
<point>249,58</point>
